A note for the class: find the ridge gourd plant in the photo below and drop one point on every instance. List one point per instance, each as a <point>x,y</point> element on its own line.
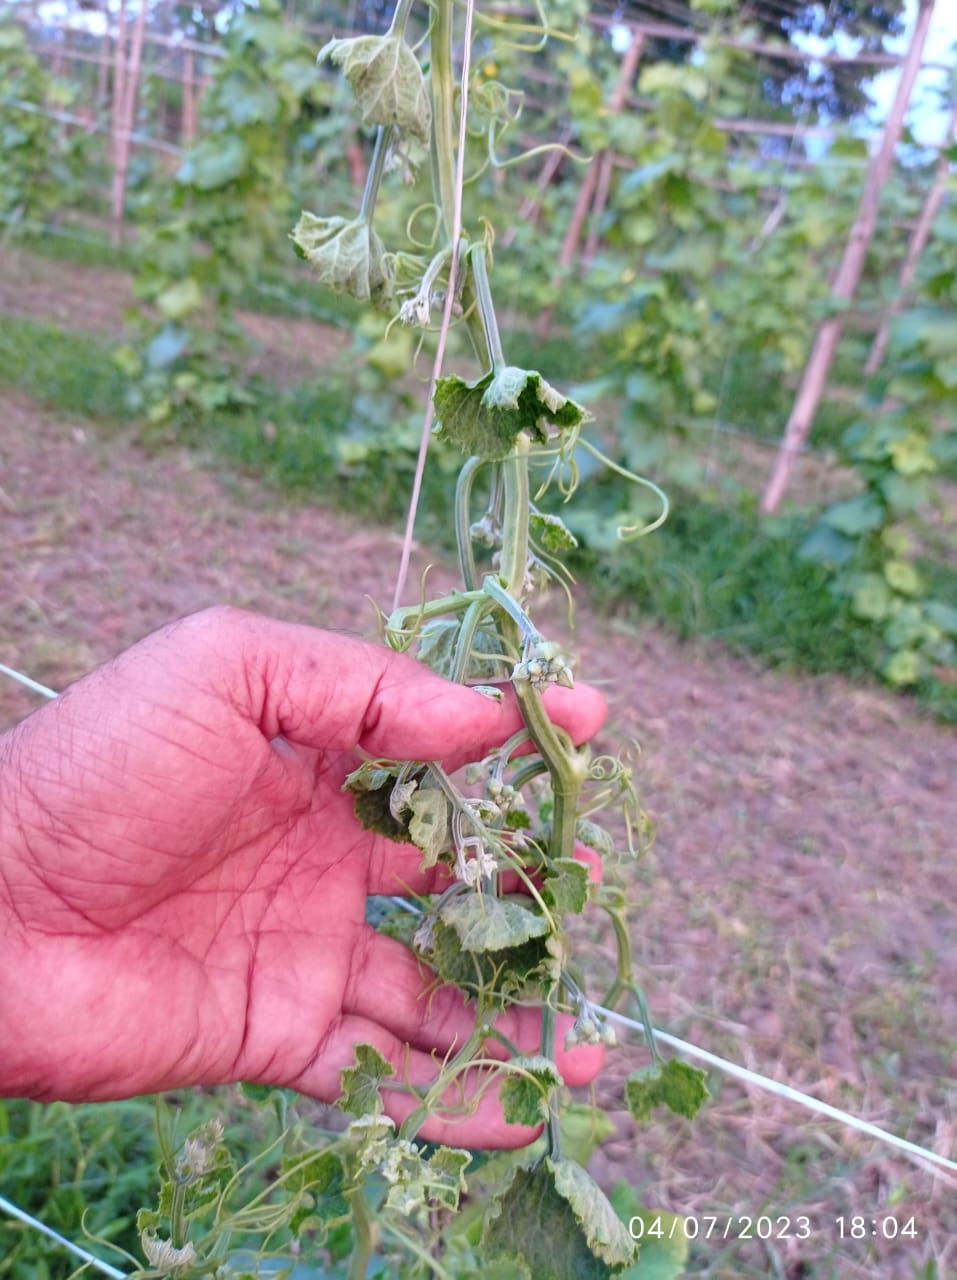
<point>511,835</point>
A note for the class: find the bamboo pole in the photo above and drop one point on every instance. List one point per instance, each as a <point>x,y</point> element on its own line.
<point>123,110</point>
<point>189,99</point>
<point>848,275</point>
<point>918,243</point>
<point>586,195</point>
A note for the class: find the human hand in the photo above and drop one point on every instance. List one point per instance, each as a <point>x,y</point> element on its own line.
<point>183,881</point>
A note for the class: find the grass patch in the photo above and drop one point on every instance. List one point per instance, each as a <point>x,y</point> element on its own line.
<point>72,372</point>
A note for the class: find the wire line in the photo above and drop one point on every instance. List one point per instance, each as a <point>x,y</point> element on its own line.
<point>90,1259</point>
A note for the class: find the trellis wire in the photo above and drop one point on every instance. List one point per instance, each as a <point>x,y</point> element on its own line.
<point>90,1259</point>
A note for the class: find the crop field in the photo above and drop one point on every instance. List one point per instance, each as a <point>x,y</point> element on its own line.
<point>664,491</point>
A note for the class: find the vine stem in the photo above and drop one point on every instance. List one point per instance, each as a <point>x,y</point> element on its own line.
<point>443,88</point>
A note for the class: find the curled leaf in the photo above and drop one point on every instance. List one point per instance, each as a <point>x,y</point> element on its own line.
<point>387,80</point>
<point>484,418</point>
<point>484,923</point>
<point>348,256</point>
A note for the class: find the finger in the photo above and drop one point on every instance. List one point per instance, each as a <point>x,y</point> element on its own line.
<point>472,1115</point>
<point>329,691</point>
<point>390,986</point>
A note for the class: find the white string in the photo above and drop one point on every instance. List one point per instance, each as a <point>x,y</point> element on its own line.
<point>25,680</point>
<point>90,1259</point>
<point>447,312</point>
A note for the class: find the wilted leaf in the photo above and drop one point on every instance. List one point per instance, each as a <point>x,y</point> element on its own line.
<point>486,923</point>
<point>484,418</point>
<point>429,824</point>
<point>180,299</point>
<point>348,256</point>
<point>558,1220</point>
<point>387,80</point>
<point>903,578</point>
<point>871,598</point>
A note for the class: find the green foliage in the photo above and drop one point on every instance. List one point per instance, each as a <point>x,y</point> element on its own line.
<point>674,1085</point>
<point>36,165</point>
<point>224,219</point>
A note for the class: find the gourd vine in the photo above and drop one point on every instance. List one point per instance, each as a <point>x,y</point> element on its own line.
<point>518,835</point>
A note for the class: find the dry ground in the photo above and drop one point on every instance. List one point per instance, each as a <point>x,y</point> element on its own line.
<point>796,912</point>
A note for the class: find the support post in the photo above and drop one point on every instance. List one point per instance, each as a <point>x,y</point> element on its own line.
<point>845,283</point>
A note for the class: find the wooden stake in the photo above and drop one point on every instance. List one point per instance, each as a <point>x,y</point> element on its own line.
<point>845,283</point>
<point>189,100</point>
<point>124,107</point>
<point>918,243</point>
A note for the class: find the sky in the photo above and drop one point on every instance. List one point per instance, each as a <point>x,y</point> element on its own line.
<point>927,118</point>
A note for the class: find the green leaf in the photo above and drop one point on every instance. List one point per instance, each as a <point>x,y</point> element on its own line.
<point>584,1127</point>
<point>387,80</point>
<point>871,598</point>
<point>671,77</point>
<point>180,299</point>
<point>214,163</point>
<point>676,1085</point>
<point>904,494</point>
<point>857,515</point>
<point>485,923</point>
<point>566,886</point>
<point>360,1084</point>
<point>484,418</point>
<point>941,615</point>
<point>246,101</point>
<point>524,1100</point>
<point>348,256</point>
<point>551,533</point>
<point>903,578</point>
<point>429,824</point>
<point>903,669</point>
<point>557,1219</point>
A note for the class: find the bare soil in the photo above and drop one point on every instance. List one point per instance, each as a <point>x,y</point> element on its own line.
<point>795,912</point>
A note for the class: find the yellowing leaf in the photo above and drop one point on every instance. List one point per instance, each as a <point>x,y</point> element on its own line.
<point>387,80</point>
<point>180,299</point>
<point>429,824</point>
<point>903,578</point>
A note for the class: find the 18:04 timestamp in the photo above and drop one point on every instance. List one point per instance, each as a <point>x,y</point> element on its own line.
<point>889,1228</point>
